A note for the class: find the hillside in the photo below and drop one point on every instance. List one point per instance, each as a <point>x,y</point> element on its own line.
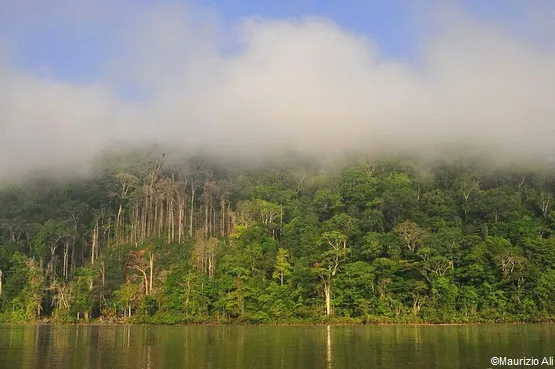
<point>192,241</point>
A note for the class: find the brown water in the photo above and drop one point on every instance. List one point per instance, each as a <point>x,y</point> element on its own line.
<point>241,347</point>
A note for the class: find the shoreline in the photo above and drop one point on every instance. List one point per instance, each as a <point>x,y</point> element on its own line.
<point>232,324</point>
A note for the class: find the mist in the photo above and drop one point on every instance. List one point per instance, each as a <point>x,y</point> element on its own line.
<point>273,86</point>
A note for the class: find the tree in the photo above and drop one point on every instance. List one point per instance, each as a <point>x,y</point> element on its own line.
<point>467,186</point>
<point>329,262</point>
<point>282,267</point>
<point>444,295</point>
<point>81,293</point>
<point>142,260</point>
<point>171,239</point>
<point>326,202</point>
<point>399,199</point>
<point>411,233</point>
<point>204,254</point>
<point>358,186</point>
<point>127,296</point>
<point>545,202</point>
<point>33,291</point>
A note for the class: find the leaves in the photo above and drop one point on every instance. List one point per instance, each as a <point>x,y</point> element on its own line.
<point>190,240</point>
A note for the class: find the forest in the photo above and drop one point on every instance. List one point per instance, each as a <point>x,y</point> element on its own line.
<point>145,239</point>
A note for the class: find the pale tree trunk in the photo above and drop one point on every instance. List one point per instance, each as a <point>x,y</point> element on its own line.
<point>172,220</point>
<point>137,224</point>
<point>168,219</point>
<point>230,218</point>
<point>192,210</point>
<point>155,226</point>
<point>206,205</point>
<point>103,272</point>
<point>210,266</point>
<point>146,230</point>
<point>180,214</point>
<point>51,263</point>
<point>206,221</point>
<point>222,221</point>
<point>214,221</point>
<point>212,244</point>
<point>101,238</point>
<point>327,295</point>
<point>161,221</point>
<point>150,215</point>
<point>145,278</point>
<point>151,271</point>
<point>117,231</point>
<point>109,228</point>
<point>133,224</point>
<point>66,255</point>
<point>280,220</point>
<point>188,293</point>
<point>545,203</point>
<point>94,240</point>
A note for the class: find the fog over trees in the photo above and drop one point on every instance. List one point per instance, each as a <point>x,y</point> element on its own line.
<point>369,241</point>
<point>279,171</point>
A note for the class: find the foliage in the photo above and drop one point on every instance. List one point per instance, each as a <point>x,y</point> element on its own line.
<point>191,241</point>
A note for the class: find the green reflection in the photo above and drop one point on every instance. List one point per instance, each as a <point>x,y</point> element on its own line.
<point>152,347</point>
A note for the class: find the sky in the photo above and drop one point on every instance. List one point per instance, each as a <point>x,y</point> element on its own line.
<point>257,77</point>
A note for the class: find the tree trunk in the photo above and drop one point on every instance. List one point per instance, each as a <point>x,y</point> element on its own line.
<point>94,238</point>
<point>118,221</point>
<point>188,293</point>
<point>51,264</point>
<point>327,295</point>
<point>145,278</point>
<point>101,236</point>
<point>145,219</point>
<point>66,256</point>
<point>222,221</point>
<point>280,221</point>
<point>206,212</point>
<point>168,219</point>
<point>179,219</point>
<point>192,209</point>
<point>155,225</point>
<point>109,230</point>
<point>151,271</point>
<point>172,221</point>
<point>213,233</point>
<point>103,272</point>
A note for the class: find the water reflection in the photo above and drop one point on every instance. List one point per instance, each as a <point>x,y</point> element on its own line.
<point>328,347</point>
<point>153,347</point>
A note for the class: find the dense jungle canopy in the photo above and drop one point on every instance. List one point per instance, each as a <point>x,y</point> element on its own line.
<point>146,239</point>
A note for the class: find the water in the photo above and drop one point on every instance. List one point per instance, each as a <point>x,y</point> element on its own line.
<point>241,347</point>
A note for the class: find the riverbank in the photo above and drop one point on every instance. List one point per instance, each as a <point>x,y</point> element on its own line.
<point>293,323</point>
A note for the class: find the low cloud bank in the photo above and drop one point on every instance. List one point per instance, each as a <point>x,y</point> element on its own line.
<point>304,85</point>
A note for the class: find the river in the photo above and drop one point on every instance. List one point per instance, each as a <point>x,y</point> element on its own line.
<point>123,346</point>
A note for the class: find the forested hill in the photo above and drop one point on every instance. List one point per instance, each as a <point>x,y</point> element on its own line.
<point>375,241</point>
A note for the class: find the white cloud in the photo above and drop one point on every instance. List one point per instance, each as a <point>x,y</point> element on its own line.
<point>305,84</point>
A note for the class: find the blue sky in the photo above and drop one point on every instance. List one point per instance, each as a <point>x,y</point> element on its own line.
<point>73,41</point>
<point>253,77</point>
